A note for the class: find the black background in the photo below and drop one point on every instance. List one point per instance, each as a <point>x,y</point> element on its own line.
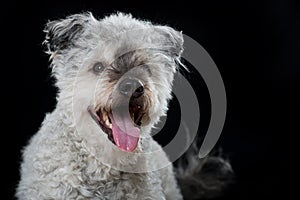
<point>255,45</point>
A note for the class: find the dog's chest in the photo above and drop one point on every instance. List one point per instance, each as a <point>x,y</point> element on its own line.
<point>102,182</point>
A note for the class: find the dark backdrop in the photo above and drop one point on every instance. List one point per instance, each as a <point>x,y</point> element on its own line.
<point>255,45</point>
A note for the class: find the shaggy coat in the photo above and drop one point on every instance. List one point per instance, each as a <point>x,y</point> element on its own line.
<point>71,156</point>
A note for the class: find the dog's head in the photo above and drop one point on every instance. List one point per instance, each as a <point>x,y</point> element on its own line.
<point>118,71</point>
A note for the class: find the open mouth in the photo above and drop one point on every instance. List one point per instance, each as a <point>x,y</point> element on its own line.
<point>122,125</point>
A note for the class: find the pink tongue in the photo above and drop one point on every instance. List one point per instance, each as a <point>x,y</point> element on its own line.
<point>126,135</point>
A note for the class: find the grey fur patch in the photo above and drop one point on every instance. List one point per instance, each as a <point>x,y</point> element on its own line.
<point>61,33</point>
<point>205,178</point>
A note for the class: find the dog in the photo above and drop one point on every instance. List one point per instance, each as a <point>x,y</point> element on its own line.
<point>115,80</point>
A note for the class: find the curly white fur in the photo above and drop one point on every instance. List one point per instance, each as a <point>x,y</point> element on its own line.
<point>69,157</point>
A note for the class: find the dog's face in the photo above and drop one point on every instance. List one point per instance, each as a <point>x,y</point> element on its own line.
<point>118,70</point>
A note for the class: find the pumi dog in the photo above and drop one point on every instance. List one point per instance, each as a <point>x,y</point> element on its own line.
<point>114,78</point>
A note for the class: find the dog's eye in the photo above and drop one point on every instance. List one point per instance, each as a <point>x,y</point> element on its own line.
<point>97,68</point>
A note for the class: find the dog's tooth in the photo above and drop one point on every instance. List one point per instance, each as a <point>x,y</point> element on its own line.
<point>107,122</point>
<point>104,117</point>
<point>110,126</point>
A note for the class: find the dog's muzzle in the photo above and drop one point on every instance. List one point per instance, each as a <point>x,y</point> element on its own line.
<point>123,119</point>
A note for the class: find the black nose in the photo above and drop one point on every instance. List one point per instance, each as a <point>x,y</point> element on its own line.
<point>131,87</point>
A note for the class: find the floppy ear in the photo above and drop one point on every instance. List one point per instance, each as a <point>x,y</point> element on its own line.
<point>60,34</point>
<point>173,40</point>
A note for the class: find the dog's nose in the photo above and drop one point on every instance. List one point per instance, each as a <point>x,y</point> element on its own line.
<point>132,87</point>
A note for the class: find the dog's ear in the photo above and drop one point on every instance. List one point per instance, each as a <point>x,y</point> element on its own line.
<point>60,34</point>
<point>173,40</point>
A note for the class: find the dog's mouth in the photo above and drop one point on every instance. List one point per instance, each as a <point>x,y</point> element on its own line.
<point>121,125</point>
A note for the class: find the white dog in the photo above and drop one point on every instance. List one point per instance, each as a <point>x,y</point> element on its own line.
<point>114,78</point>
